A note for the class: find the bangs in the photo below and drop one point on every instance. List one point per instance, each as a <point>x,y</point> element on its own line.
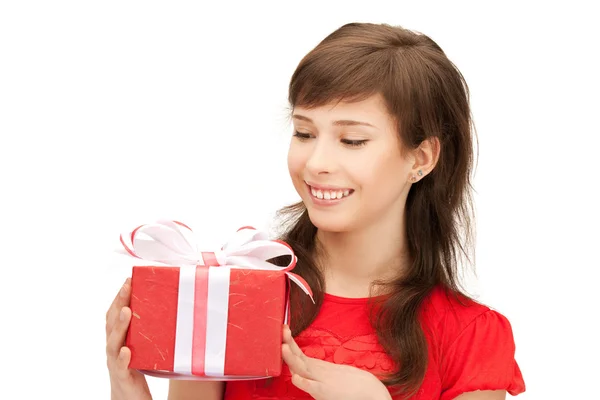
<point>333,73</point>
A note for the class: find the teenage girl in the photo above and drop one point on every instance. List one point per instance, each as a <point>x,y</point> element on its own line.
<point>381,156</point>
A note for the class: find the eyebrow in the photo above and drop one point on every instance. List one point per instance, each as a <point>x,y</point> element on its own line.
<point>342,122</point>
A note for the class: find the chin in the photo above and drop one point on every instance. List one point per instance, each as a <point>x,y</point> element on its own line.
<point>328,223</point>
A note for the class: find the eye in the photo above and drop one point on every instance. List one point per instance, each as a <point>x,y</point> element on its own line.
<point>354,143</point>
<point>301,135</point>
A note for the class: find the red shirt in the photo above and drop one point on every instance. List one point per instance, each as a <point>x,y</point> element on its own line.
<point>470,348</point>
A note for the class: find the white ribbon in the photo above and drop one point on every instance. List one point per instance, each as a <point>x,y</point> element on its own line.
<point>216,321</point>
<point>182,357</point>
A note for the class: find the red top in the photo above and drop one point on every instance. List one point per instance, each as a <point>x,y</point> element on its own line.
<point>470,348</point>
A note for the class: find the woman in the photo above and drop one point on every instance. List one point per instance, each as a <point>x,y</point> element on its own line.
<point>381,157</point>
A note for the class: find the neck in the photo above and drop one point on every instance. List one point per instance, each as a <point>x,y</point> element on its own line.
<point>352,261</point>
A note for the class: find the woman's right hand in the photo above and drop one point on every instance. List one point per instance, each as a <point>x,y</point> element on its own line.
<point>125,383</point>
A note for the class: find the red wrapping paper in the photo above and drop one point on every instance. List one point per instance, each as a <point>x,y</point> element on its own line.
<point>257,301</point>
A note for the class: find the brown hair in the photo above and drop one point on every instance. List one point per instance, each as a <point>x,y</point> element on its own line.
<point>428,97</point>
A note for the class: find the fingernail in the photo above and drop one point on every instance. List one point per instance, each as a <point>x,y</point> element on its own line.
<point>123,291</point>
<point>122,315</point>
<point>121,354</point>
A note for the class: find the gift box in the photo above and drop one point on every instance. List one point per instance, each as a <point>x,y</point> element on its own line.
<point>207,315</point>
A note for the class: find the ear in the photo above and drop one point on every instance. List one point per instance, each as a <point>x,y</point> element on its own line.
<point>425,157</point>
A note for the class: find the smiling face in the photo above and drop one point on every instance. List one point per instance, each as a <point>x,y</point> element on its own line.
<point>346,165</point>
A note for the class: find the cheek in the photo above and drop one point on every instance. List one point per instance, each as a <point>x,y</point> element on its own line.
<point>295,161</point>
<point>371,172</point>
<point>382,177</point>
<point>297,156</point>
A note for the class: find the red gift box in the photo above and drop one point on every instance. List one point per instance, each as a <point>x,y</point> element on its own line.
<point>249,333</point>
<point>217,315</point>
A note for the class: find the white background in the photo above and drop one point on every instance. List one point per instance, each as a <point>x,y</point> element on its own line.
<point>115,113</point>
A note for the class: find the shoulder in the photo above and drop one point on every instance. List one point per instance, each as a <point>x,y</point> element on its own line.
<point>447,314</point>
<point>442,302</point>
<point>472,344</point>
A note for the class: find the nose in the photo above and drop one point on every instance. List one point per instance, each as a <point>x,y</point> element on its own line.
<point>321,159</point>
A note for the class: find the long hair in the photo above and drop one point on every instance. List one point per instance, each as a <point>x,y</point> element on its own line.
<point>428,97</point>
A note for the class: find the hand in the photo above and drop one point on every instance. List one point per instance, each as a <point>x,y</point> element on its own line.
<point>328,381</point>
<point>125,383</point>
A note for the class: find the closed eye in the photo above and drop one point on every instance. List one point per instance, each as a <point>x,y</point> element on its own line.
<point>354,143</point>
<point>301,135</point>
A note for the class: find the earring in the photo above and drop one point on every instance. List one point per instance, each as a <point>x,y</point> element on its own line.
<point>414,178</point>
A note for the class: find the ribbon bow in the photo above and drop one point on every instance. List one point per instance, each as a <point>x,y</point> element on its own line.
<point>172,242</point>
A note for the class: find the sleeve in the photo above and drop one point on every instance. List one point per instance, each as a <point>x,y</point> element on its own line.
<point>482,357</point>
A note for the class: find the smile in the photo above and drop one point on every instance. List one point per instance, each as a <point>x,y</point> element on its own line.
<point>324,194</point>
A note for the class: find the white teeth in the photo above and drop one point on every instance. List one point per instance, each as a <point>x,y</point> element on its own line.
<point>329,194</point>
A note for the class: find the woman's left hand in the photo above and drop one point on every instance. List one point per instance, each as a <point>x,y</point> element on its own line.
<point>328,381</point>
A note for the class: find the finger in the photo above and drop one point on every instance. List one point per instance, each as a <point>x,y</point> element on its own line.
<point>289,340</point>
<point>123,361</point>
<point>115,300</point>
<point>116,304</point>
<point>312,387</point>
<point>121,300</point>
<point>116,339</point>
<point>297,364</point>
